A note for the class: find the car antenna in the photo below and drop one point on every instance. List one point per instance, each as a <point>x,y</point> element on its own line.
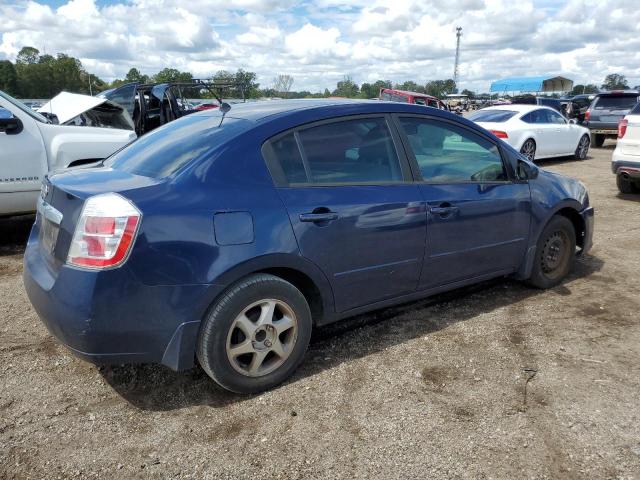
<point>224,108</point>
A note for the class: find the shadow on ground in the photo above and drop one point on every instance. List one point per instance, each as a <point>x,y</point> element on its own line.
<point>14,232</point>
<point>154,387</point>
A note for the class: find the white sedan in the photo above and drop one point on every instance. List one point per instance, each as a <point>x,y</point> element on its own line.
<point>535,131</point>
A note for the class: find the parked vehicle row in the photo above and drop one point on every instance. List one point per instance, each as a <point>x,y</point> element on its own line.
<point>228,236</point>
<point>30,146</point>
<point>535,131</point>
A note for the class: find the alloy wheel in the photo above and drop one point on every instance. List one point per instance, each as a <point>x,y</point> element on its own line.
<point>529,150</point>
<point>583,147</point>
<point>262,337</point>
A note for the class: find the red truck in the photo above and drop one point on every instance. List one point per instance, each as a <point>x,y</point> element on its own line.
<point>391,95</point>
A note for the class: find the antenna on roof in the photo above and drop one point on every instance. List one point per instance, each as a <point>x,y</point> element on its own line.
<point>224,108</point>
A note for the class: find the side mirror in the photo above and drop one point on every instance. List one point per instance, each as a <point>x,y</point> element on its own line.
<point>8,123</point>
<point>526,171</point>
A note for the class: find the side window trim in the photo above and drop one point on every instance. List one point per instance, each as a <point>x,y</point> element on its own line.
<point>413,162</point>
<point>279,178</point>
<point>303,156</point>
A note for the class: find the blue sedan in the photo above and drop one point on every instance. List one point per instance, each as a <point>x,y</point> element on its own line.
<point>226,236</point>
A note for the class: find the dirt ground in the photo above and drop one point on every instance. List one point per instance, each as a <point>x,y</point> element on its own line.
<point>495,381</point>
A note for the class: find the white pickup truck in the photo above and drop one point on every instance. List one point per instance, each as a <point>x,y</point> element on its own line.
<point>31,146</point>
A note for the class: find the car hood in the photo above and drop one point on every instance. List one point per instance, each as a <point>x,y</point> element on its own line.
<point>67,106</point>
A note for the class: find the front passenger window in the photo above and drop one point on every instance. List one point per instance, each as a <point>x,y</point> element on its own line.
<point>447,153</point>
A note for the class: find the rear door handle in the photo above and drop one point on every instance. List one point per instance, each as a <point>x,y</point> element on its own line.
<point>318,217</point>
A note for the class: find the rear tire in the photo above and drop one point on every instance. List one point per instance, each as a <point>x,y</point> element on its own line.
<point>583,147</point>
<point>555,253</point>
<point>597,139</point>
<point>255,335</point>
<point>626,185</point>
<point>528,149</point>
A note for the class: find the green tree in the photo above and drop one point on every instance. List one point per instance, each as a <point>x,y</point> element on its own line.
<point>134,75</point>
<point>440,88</point>
<point>615,81</point>
<point>411,86</point>
<point>28,55</point>
<point>8,77</point>
<point>367,91</point>
<point>239,81</point>
<point>469,93</point>
<point>581,89</point>
<point>169,75</point>
<point>346,88</point>
<point>326,93</point>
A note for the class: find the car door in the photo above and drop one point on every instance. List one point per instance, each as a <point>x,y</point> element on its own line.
<point>353,207</point>
<point>23,162</point>
<point>563,136</point>
<point>478,214</point>
<point>543,131</point>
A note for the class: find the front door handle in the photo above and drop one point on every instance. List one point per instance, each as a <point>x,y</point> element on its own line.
<point>444,211</point>
<point>318,217</point>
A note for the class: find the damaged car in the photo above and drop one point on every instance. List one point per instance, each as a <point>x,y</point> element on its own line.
<point>86,111</point>
<point>152,105</point>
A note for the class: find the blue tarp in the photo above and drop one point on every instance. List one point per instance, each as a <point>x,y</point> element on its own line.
<point>543,83</point>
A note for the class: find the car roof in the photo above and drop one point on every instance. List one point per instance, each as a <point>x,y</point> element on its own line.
<point>619,93</point>
<point>520,108</point>
<point>270,109</point>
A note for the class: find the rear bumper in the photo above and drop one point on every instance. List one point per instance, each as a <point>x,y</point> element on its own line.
<point>109,317</point>
<point>588,217</point>
<point>627,163</point>
<point>606,128</point>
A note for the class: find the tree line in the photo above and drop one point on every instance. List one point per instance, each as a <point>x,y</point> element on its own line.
<point>36,75</point>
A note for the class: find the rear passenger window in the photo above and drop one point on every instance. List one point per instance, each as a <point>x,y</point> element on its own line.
<point>357,151</point>
<point>447,153</point>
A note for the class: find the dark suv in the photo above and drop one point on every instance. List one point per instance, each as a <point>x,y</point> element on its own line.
<point>605,113</point>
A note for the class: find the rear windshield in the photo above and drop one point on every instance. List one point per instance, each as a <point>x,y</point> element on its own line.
<point>496,116</point>
<point>618,102</point>
<point>165,150</point>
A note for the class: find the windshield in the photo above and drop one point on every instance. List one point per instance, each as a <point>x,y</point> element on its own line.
<point>23,107</point>
<point>165,150</point>
<point>618,102</point>
<point>495,116</point>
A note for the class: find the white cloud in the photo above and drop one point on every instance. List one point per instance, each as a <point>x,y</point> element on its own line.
<point>319,42</point>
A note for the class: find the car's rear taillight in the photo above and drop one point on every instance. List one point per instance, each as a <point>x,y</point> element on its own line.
<point>587,115</point>
<point>105,232</point>
<point>622,127</point>
<point>499,133</point>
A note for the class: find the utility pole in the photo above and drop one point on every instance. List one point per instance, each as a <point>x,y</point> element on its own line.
<point>455,68</point>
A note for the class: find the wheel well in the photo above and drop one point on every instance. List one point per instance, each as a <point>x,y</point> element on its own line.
<point>303,283</point>
<point>84,161</point>
<point>576,220</point>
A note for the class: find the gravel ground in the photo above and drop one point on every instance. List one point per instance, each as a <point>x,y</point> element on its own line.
<point>495,381</point>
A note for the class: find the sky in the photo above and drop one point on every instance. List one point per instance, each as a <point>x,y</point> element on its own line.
<point>319,42</point>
